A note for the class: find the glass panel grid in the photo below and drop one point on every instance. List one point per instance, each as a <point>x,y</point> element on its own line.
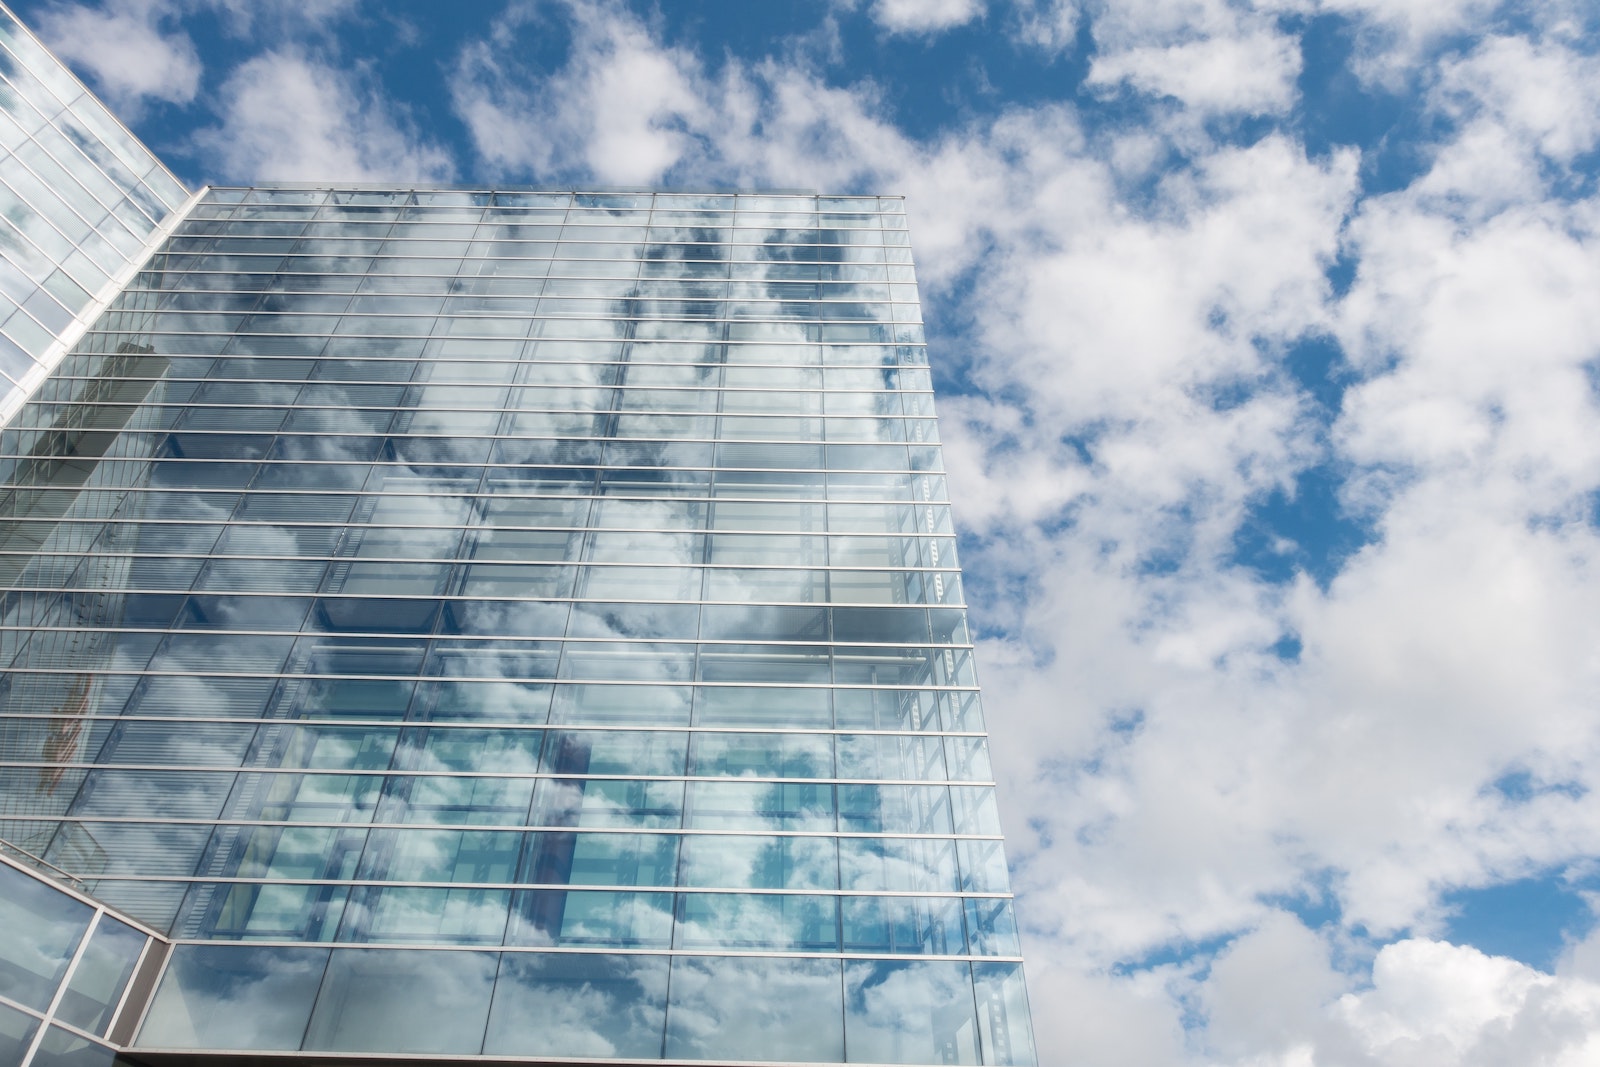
<point>561,583</point>
<point>80,198</point>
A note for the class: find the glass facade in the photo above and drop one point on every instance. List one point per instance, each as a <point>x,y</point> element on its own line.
<point>513,624</point>
<point>80,199</point>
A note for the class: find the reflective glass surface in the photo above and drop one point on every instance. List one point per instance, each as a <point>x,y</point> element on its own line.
<point>42,929</point>
<point>460,617</point>
<point>81,197</point>
<point>102,972</point>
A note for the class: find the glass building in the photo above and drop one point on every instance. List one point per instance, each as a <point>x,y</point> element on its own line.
<point>456,623</point>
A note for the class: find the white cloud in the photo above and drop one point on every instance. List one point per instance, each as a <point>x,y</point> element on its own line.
<point>1211,56</point>
<point>291,117</point>
<point>126,50</point>
<point>1253,73</point>
<point>1051,25</point>
<point>1433,1004</point>
<point>620,111</point>
<point>925,16</point>
<point>1268,991</point>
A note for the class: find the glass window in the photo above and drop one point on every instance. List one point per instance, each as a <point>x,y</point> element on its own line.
<point>593,917</point>
<point>1006,1033</point>
<point>608,802</point>
<point>233,997</point>
<point>16,1032</point>
<point>42,927</point>
<point>438,798</point>
<point>909,1012</point>
<point>916,926</point>
<point>602,859</point>
<point>757,921</point>
<point>62,1049</point>
<point>762,755</point>
<point>510,702</point>
<point>377,1000</point>
<point>901,865</point>
<point>428,915</point>
<point>754,1008</point>
<point>273,911</point>
<point>761,805</point>
<point>891,756</point>
<point>992,927</point>
<point>769,707</point>
<point>657,705</point>
<point>714,861</point>
<point>602,1006</point>
<point>100,975</point>
<point>892,809</point>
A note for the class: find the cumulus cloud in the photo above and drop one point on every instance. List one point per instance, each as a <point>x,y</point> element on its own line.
<point>620,111</point>
<point>1209,56</point>
<point>925,16</point>
<point>288,115</point>
<point>1051,25</point>
<point>1433,1003</point>
<point>1252,74</point>
<point>129,50</point>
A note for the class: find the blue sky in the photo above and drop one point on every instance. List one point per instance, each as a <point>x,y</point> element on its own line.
<point>1267,339</point>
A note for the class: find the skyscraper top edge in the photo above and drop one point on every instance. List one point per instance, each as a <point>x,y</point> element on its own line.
<point>512,187</point>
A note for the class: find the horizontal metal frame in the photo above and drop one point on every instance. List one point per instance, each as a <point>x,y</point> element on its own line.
<point>207,262</point>
<point>492,775</point>
<point>675,888</point>
<point>570,950</point>
<point>333,720</point>
<point>487,564</point>
<point>508,640</point>
<point>449,827</point>
<point>22,720</point>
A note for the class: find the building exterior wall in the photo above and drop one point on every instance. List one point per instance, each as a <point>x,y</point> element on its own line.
<point>515,624</point>
<point>80,199</point>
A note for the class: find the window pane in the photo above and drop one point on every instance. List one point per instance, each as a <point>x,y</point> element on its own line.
<point>62,1049</point>
<point>750,1008</point>
<point>376,1000</point>
<point>571,1005</point>
<point>910,1012</point>
<point>42,927</point>
<point>230,997</point>
<point>97,983</point>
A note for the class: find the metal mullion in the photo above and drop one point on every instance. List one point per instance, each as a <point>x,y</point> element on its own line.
<point>22,1009</point>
